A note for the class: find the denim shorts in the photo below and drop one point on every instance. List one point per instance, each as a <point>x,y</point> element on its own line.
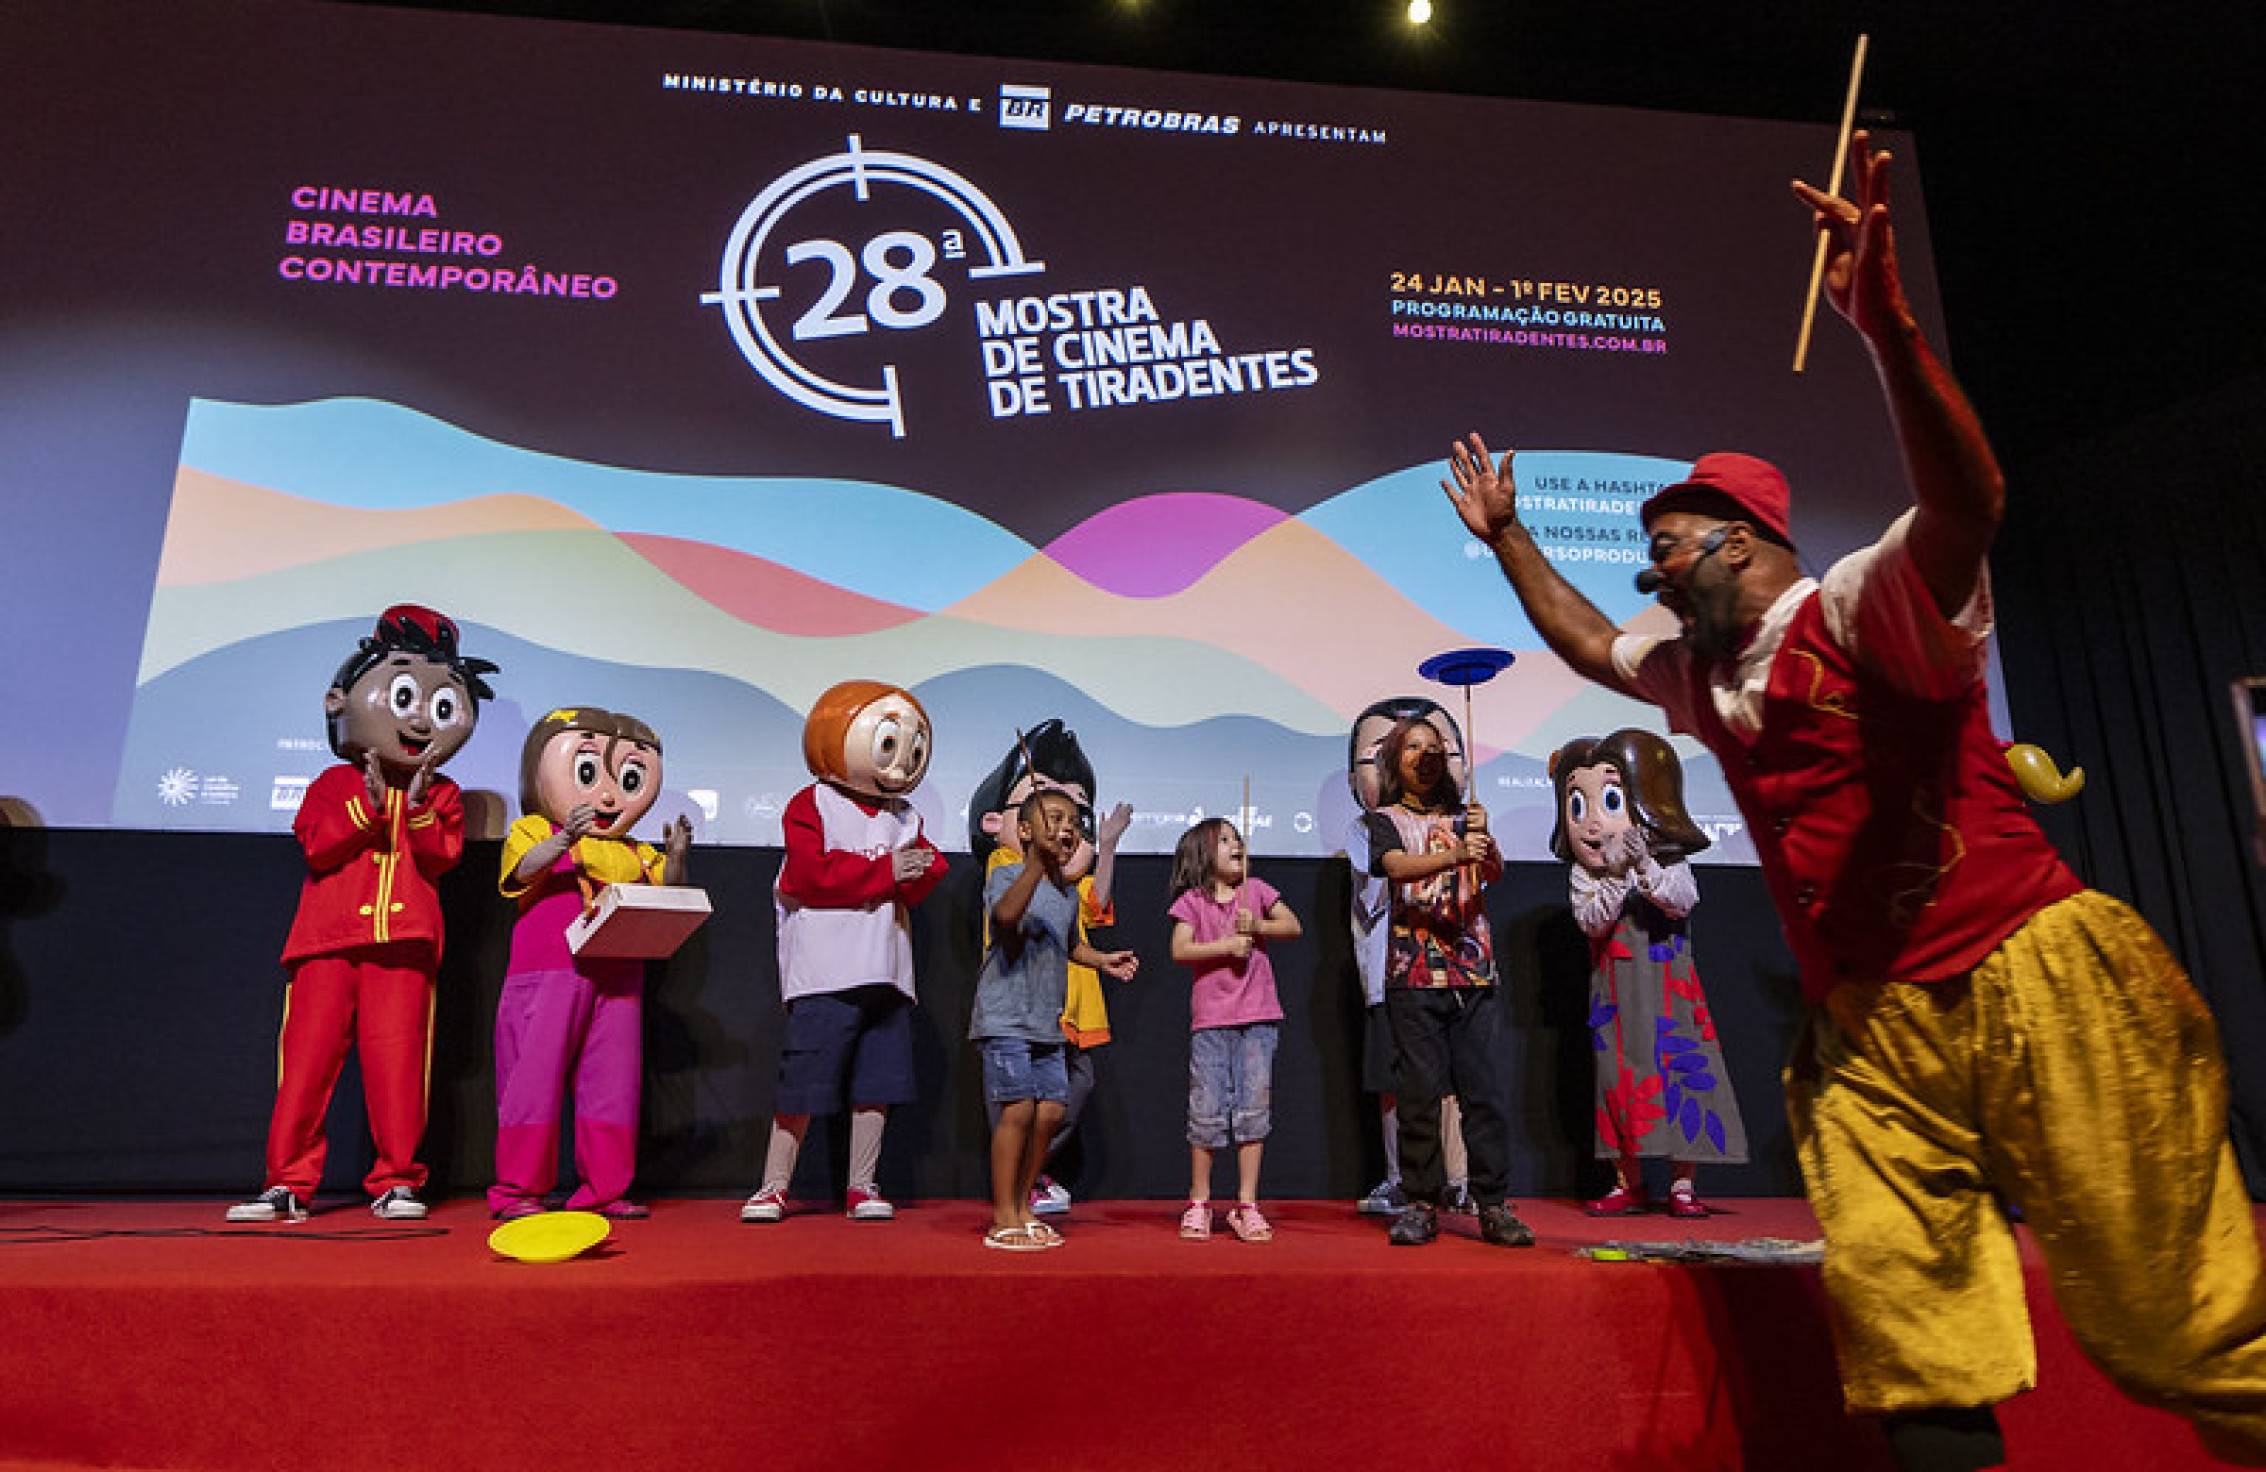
<point>1017,1068</point>
<point>1231,1084</point>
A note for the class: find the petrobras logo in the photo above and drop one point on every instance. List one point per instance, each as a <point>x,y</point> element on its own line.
<point>1028,108</point>
<point>287,793</point>
<point>1150,119</point>
<point>707,799</point>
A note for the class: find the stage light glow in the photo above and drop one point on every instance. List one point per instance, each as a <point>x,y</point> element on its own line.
<point>1419,12</point>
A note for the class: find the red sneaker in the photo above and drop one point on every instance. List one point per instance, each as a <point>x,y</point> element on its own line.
<point>1685,1203</point>
<point>1620,1201</point>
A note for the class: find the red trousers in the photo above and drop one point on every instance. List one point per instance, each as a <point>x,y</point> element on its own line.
<point>377,997</point>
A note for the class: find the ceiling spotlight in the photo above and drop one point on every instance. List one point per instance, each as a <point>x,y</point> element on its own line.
<point>1419,12</point>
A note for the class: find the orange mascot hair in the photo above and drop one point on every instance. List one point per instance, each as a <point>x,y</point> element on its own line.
<point>829,722</point>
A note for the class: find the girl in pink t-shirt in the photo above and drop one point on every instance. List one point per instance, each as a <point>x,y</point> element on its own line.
<point>1221,919</point>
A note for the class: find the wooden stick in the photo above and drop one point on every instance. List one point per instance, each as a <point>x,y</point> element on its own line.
<point>1243,822</point>
<point>1840,157</point>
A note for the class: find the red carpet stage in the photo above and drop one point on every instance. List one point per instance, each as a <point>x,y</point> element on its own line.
<point>690,1341</point>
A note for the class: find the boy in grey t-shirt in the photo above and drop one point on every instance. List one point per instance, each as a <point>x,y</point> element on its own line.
<point>1017,1021</point>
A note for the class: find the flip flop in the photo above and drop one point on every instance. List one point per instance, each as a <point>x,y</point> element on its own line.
<point>1013,1239</point>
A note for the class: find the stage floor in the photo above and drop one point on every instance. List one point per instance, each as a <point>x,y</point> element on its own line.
<point>149,1334</point>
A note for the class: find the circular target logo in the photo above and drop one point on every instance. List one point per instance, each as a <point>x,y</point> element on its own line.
<point>873,271</point>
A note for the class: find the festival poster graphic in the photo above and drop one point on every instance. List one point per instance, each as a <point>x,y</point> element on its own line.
<point>693,374</point>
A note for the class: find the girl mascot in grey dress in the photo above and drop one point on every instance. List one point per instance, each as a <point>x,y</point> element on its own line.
<point>1661,1086</point>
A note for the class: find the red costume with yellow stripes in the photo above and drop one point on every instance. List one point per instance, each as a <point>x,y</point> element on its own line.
<point>363,950</point>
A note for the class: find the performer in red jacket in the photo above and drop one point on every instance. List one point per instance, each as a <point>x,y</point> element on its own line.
<point>378,829</point>
<point>1981,1025</point>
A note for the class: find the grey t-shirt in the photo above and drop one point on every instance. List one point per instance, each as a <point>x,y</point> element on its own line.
<point>1023,998</point>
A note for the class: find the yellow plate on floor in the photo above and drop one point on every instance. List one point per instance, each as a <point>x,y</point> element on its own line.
<point>550,1236</point>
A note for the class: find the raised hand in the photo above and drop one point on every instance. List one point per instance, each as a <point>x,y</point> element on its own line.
<point>374,781</point>
<point>1861,279</point>
<point>420,781</point>
<point>1112,827</point>
<point>676,843</point>
<point>581,818</point>
<point>1485,497</point>
<point>1629,848</point>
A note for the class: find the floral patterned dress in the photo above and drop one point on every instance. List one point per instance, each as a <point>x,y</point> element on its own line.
<point>1661,1086</point>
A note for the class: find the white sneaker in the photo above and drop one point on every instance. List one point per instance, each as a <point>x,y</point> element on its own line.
<point>767,1205</point>
<point>398,1204</point>
<point>275,1204</point>
<point>1048,1198</point>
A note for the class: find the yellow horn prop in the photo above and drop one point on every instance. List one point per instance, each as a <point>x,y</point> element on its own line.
<point>2040,779</point>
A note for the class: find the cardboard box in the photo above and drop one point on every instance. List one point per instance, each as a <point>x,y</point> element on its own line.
<point>644,921</point>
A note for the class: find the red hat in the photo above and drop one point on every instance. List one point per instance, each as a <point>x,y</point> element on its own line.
<point>438,629</point>
<point>1754,486</point>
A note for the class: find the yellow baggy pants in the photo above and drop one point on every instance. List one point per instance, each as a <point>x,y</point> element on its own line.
<point>2076,1073</point>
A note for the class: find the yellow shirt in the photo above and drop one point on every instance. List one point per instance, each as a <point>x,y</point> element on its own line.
<point>1085,1012</point>
<point>601,860</point>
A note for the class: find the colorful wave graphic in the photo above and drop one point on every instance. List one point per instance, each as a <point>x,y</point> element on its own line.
<point>1165,612</point>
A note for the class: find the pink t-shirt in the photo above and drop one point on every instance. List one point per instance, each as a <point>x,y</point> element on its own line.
<point>1229,993</point>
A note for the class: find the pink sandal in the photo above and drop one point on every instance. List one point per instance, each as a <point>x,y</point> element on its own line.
<point>1249,1225</point>
<point>1196,1221</point>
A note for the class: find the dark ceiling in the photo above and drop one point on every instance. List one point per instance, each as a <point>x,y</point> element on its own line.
<point>2090,181</point>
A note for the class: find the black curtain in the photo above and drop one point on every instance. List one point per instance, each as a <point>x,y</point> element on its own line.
<point>2131,585</point>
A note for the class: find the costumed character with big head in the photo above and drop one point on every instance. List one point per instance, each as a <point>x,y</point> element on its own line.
<point>586,776</point>
<point>1372,939</point>
<point>1047,758</point>
<point>1661,1085</point>
<point>856,864</point>
<point>378,829</point>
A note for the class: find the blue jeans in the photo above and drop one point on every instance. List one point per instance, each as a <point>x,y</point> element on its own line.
<point>1231,1084</point>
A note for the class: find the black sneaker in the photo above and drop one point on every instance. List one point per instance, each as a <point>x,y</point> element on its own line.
<point>1415,1227</point>
<point>1457,1198</point>
<point>398,1204</point>
<point>275,1204</point>
<point>1500,1226</point>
